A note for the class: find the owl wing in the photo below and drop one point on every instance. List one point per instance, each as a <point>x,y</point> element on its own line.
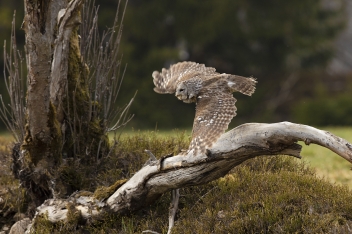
<point>166,81</point>
<point>242,84</point>
<point>214,112</point>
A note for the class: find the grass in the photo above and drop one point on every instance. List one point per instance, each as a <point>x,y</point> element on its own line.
<point>12,198</point>
<point>326,163</point>
<point>264,195</point>
<point>269,195</point>
<point>159,133</point>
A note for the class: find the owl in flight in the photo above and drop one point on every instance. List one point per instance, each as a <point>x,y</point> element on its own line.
<point>212,93</point>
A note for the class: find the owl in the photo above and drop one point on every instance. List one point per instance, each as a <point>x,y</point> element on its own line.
<point>212,93</point>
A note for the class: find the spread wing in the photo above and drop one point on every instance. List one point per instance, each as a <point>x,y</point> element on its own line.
<point>214,112</point>
<point>166,81</point>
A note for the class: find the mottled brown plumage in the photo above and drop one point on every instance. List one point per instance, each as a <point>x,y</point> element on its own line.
<point>212,92</point>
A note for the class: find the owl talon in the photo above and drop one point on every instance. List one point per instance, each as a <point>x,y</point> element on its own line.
<point>166,156</point>
<point>208,153</point>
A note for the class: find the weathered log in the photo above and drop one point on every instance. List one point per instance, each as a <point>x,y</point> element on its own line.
<point>233,148</point>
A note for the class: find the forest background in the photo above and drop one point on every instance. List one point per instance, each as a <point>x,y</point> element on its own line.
<point>300,52</point>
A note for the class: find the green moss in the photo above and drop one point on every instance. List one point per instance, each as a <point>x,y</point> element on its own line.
<point>72,176</point>
<point>104,192</point>
<point>35,149</point>
<point>73,215</point>
<point>56,135</point>
<point>41,161</point>
<point>42,225</point>
<point>83,193</point>
<point>72,225</point>
<point>131,149</point>
<point>86,138</point>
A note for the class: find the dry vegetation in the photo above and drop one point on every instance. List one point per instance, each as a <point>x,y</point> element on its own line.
<point>12,198</point>
<point>264,195</point>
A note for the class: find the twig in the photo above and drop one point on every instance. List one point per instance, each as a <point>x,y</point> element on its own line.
<point>13,114</point>
<point>173,208</point>
<point>150,231</point>
<point>100,52</point>
<point>152,156</point>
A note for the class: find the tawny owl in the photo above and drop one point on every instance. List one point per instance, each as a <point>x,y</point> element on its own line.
<point>212,93</point>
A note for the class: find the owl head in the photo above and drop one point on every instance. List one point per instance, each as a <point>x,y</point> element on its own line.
<point>186,91</point>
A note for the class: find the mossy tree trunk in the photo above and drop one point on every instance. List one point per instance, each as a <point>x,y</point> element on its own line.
<point>59,126</point>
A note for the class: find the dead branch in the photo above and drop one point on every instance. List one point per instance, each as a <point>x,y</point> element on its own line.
<point>233,148</point>
<point>173,208</point>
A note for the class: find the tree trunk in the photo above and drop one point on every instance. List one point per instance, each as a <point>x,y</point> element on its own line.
<point>39,150</point>
<point>59,126</point>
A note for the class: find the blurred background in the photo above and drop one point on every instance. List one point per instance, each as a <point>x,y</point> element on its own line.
<point>299,51</point>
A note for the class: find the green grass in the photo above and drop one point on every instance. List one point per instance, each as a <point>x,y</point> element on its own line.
<point>326,163</point>
<point>264,195</point>
<point>160,133</point>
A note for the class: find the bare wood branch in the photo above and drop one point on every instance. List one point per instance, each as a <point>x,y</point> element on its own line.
<point>233,148</point>
<point>152,156</point>
<point>173,208</point>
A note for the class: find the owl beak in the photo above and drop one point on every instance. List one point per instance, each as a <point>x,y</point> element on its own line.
<point>191,96</point>
<point>179,97</point>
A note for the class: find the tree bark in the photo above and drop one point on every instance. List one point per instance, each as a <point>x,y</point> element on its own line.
<point>60,128</point>
<point>233,148</point>
<point>39,152</point>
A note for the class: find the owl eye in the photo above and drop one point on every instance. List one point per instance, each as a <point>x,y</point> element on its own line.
<point>181,90</point>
